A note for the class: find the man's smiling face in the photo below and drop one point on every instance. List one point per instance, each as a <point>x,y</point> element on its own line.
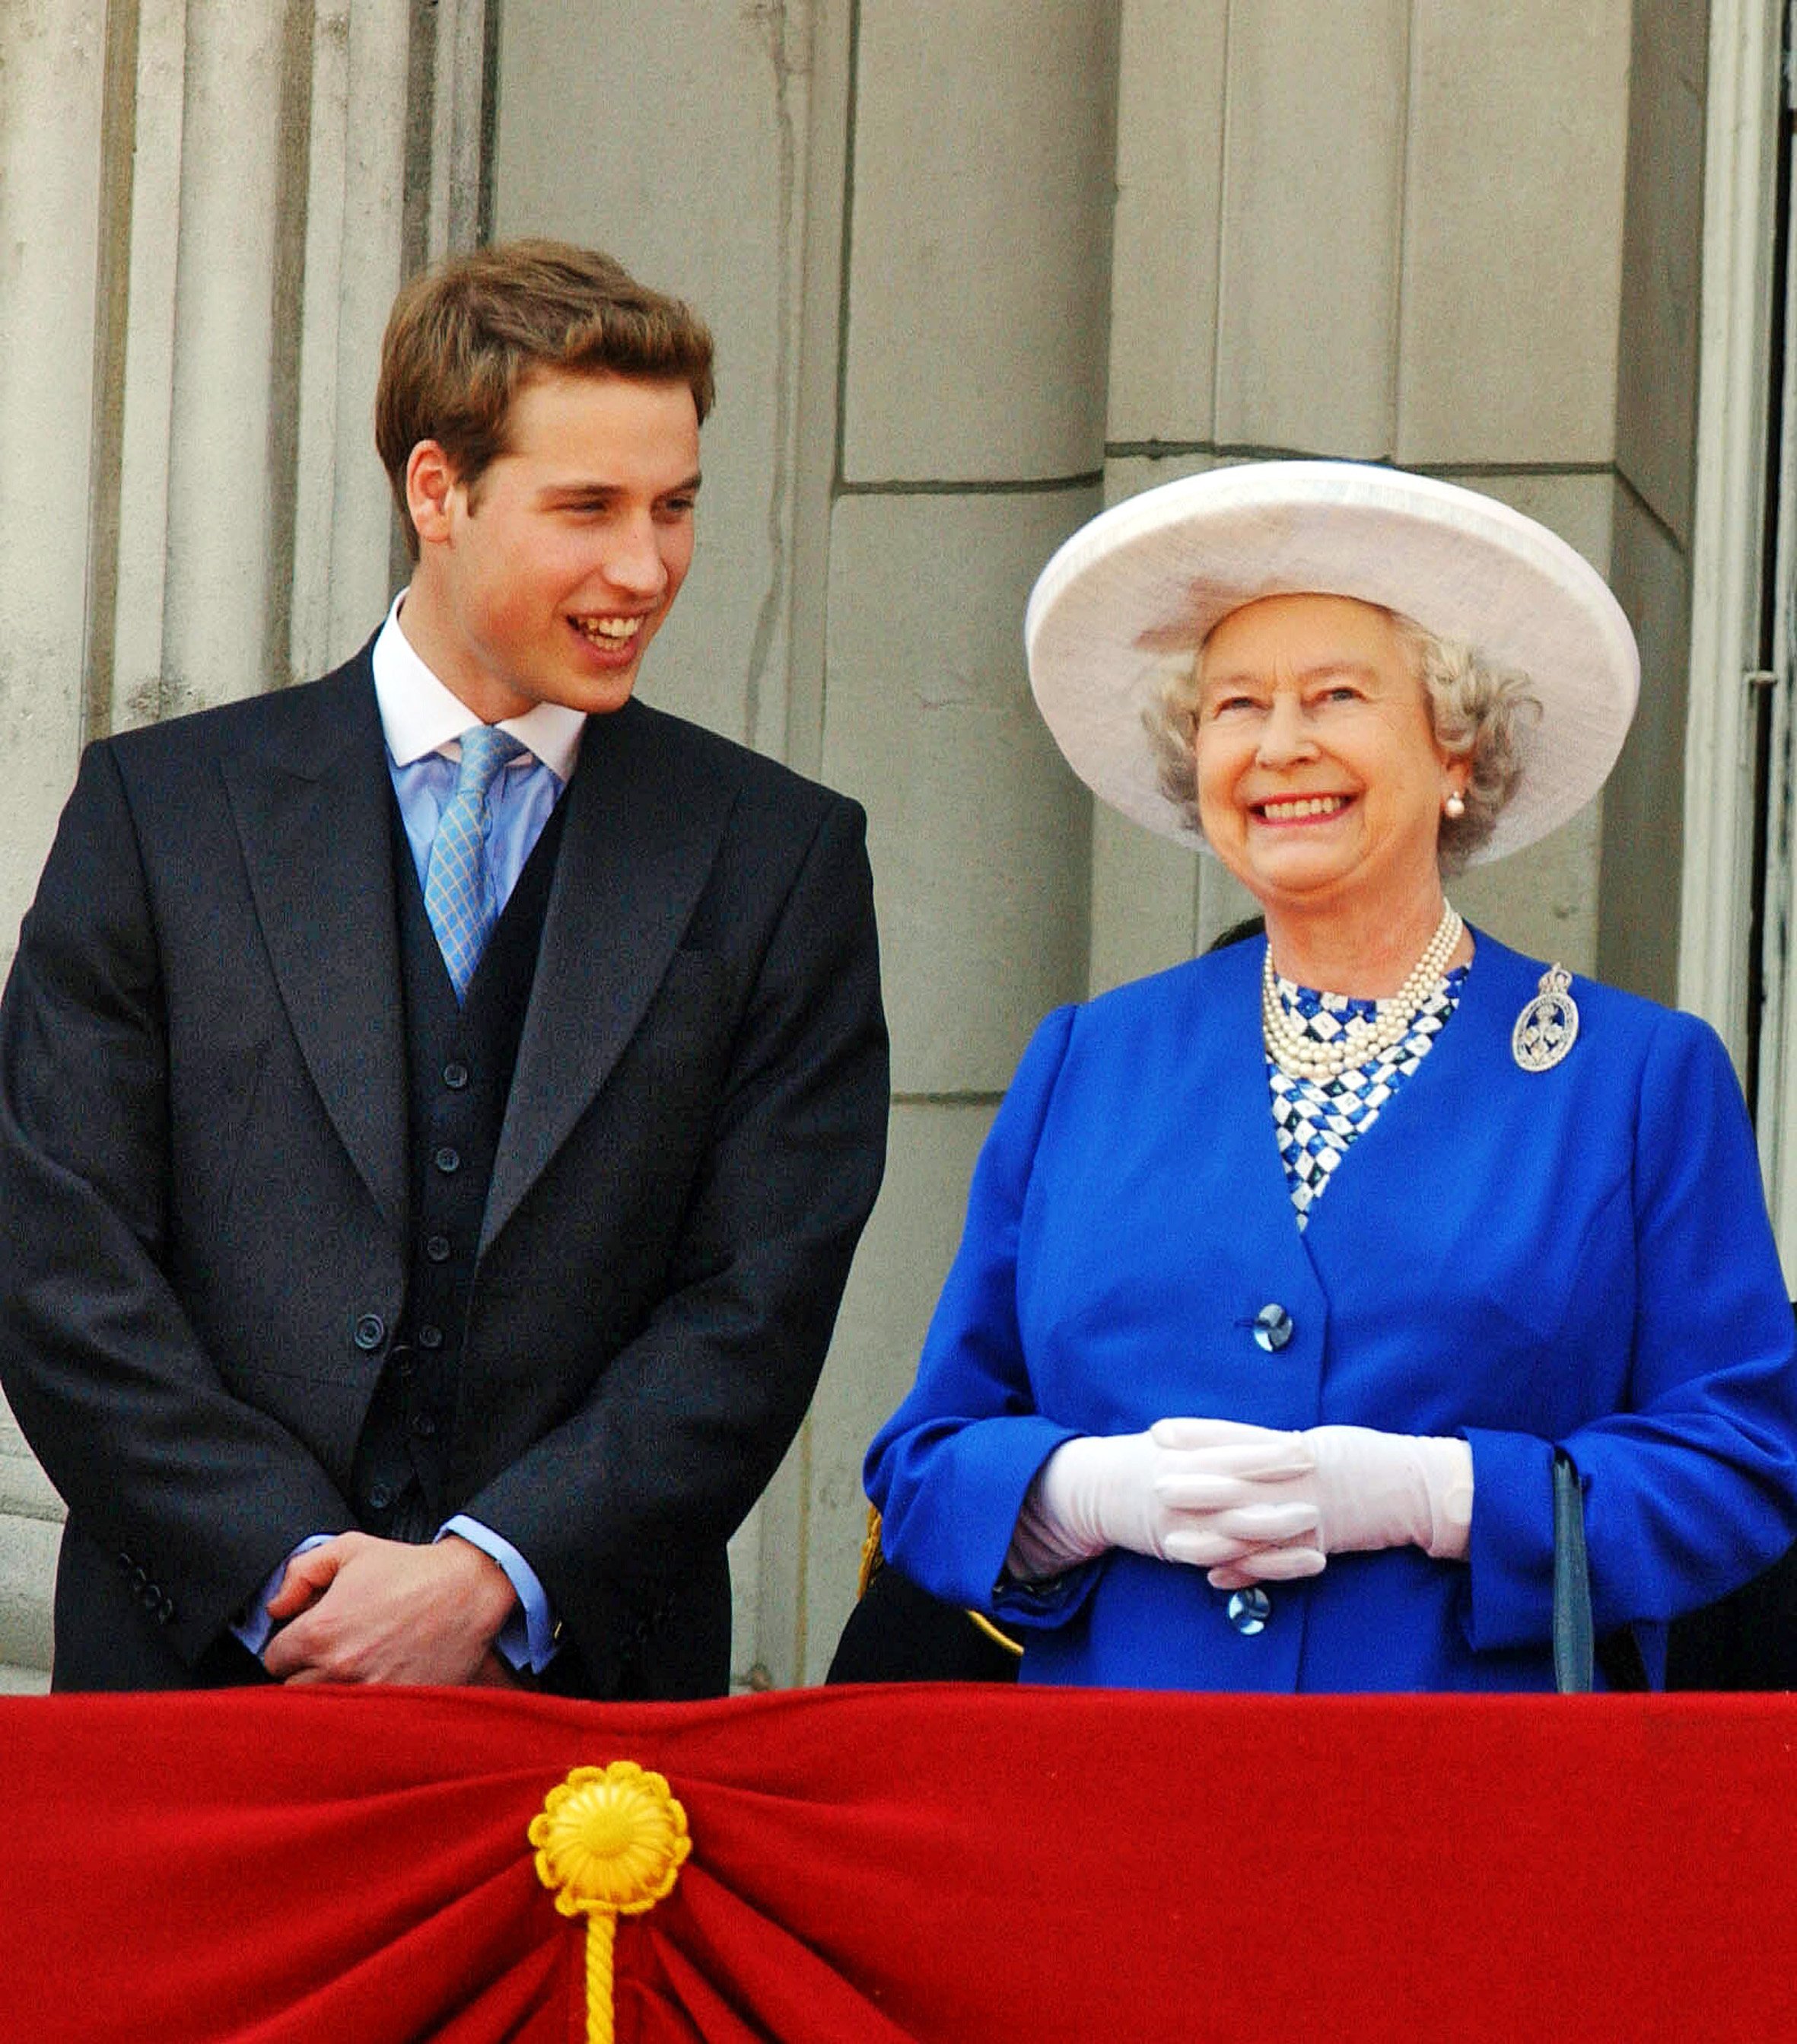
<point>546,580</point>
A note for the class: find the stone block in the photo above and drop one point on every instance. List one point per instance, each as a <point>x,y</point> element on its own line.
<point>1313,210</point>
<point>1544,899</point>
<point>1144,901</point>
<point>1128,476</point>
<point>1513,233</point>
<point>23,1487</point>
<point>1579,506</point>
<point>1145,890</point>
<point>980,261</point>
<point>978,829</point>
<point>1169,193</point>
<point>1662,260</point>
<point>710,202</point>
<point>909,1244</point>
<point>52,54</point>
<point>1644,803</point>
<point>28,1570</point>
<point>230,403</point>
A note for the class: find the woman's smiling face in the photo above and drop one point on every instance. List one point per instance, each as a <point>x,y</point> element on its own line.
<point>1320,778</point>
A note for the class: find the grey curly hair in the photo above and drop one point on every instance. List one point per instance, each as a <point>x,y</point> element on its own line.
<point>1476,710</point>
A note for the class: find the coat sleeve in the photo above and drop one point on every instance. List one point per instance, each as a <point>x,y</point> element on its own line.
<point>1692,1489</point>
<point>130,1417</point>
<point>616,1506</point>
<point>949,1470</point>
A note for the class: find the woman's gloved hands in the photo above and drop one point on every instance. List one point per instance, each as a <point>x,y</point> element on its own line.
<point>1248,1503</point>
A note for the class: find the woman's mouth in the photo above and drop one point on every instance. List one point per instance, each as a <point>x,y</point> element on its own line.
<point>1301,808</point>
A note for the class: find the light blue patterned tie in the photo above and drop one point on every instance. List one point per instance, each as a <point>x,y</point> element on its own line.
<point>456,895</point>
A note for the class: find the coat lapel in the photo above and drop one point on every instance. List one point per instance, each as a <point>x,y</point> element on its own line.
<point>312,812</point>
<point>638,846</point>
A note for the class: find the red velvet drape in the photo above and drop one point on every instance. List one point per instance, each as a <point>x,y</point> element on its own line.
<point>949,1863</point>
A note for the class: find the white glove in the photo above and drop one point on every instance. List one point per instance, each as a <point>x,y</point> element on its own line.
<point>1368,1489</point>
<point>1217,1494</point>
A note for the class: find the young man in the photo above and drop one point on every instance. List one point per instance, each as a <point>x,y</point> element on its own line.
<point>438,1103</point>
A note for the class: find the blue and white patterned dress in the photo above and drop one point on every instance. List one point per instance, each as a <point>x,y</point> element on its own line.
<point>1317,1120</point>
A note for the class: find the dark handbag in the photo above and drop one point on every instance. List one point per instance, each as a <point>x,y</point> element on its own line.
<point>1577,1650</point>
<point>897,1632</point>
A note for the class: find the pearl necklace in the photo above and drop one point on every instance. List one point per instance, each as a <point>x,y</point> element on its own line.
<point>1362,1040</point>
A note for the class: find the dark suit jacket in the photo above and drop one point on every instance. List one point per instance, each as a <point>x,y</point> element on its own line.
<point>204,1181</point>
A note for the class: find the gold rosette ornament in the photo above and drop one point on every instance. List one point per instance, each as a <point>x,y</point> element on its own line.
<point>610,1842</point>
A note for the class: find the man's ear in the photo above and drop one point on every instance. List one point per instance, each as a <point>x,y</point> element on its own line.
<point>431,488</point>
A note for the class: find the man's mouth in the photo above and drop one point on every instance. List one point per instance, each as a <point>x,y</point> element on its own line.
<point>608,632</point>
<point>1297,807</point>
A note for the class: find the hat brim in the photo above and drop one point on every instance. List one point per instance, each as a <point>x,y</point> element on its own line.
<point>1133,594</point>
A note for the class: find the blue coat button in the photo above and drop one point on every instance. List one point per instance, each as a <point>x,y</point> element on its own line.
<point>370,1332</point>
<point>1248,1611</point>
<point>1274,1328</point>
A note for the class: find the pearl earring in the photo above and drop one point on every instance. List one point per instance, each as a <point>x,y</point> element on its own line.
<point>1455,807</point>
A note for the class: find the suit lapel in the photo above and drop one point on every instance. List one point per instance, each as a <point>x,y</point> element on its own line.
<point>638,846</point>
<point>312,812</point>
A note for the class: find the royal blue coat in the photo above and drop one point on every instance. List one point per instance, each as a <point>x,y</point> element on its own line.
<point>1580,1256</point>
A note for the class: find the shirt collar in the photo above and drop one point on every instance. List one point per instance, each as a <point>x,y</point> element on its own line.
<point>419,716</point>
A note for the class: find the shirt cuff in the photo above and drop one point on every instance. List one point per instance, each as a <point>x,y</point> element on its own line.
<point>256,1628</point>
<point>530,1637</point>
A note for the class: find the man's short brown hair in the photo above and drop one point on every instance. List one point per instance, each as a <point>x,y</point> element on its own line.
<point>466,334</point>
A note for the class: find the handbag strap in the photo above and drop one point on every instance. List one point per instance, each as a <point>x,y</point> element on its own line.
<point>1577,1648</point>
<point>1574,1642</point>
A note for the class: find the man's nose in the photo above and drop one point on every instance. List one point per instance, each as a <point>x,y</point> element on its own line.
<point>634,562</point>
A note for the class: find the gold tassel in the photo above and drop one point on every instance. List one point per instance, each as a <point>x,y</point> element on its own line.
<point>610,1842</point>
<point>873,1560</point>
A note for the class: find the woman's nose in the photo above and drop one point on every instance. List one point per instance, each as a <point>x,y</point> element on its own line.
<point>1285,733</point>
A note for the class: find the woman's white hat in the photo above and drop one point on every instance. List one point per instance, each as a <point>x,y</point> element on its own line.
<point>1131,596</point>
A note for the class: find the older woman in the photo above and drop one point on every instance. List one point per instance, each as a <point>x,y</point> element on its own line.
<point>1285,1272</point>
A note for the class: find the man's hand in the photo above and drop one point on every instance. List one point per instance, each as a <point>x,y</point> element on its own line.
<point>357,1609</point>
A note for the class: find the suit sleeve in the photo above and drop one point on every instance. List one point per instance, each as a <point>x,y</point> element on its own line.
<point>1693,1488</point>
<point>614,1507</point>
<point>949,1470</point>
<point>129,1416</point>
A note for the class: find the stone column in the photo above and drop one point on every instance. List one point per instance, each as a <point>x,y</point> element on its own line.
<point>205,208</point>
<point>972,421</point>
